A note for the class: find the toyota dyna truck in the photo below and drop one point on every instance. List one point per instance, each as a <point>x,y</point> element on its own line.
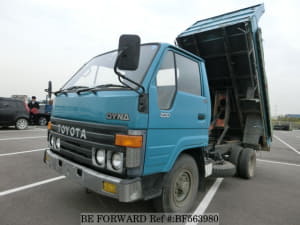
<point>153,121</point>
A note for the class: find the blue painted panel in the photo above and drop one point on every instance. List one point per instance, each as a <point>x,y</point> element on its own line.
<point>93,108</point>
<point>180,130</point>
<point>164,146</point>
<point>251,14</point>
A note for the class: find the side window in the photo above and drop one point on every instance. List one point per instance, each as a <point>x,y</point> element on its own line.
<point>166,82</point>
<point>20,106</point>
<point>188,75</point>
<point>6,104</point>
<point>11,105</point>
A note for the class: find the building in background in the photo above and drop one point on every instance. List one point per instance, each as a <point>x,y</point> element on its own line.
<point>292,116</point>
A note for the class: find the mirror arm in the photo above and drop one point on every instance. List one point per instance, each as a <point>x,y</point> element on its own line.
<point>125,78</point>
<point>52,92</point>
<point>49,89</point>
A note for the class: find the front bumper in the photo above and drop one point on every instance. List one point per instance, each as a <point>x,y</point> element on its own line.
<point>127,190</point>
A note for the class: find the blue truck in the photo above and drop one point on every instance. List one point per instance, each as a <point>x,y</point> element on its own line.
<point>153,121</point>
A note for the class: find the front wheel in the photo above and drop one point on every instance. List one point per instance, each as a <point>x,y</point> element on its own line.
<point>180,187</point>
<point>21,124</point>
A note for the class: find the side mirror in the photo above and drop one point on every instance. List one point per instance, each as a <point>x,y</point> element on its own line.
<point>129,52</point>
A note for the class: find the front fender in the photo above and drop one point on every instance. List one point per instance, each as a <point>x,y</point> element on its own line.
<point>165,145</point>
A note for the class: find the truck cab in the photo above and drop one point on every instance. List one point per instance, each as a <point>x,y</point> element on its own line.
<point>117,130</point>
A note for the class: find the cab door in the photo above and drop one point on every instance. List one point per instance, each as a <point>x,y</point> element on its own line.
<point>179,112</point>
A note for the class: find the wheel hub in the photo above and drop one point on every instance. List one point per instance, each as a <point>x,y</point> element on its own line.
<point>21,123</point>
<point>182,186</point>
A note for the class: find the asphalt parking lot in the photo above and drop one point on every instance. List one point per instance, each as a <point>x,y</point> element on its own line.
<point>30,193</point>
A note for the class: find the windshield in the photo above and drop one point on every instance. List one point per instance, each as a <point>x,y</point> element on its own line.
<point>100,70</point>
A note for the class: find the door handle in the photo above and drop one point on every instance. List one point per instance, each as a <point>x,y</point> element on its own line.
<point>201,116</point>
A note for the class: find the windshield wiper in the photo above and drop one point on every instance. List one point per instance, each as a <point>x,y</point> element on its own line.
<point>131,81</point>
<point>66,90</point>
<point>99,87</point>
<point>109,85</point>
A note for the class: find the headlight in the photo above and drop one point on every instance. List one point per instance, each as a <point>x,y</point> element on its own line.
<point>52,140</point>
<point>117,160</point>
<point>100,157</point>
<point>57,144</point>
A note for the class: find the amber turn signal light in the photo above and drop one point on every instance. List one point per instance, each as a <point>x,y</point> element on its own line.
<point>131,141</point>
<point>49,126</point>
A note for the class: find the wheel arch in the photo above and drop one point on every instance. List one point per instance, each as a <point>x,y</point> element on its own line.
<point>198,154</point>
<point>21,117</point>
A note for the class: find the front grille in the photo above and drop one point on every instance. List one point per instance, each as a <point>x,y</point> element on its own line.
<point>98,136</point>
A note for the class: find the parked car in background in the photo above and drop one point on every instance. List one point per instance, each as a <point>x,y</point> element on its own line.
<point>282,127</point>
<point>14,112</point>
<point>43,116</point>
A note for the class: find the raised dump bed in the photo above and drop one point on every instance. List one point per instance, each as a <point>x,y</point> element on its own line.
<point>231,45</point>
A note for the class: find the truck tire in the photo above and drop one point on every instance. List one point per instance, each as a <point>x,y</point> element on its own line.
<point>235,153</point>
<point>180,187</point>
<point>234,157</point>
<point>43,121</point>
<point>227,169</point>
<point>21,123</point>
<point>247,163</point>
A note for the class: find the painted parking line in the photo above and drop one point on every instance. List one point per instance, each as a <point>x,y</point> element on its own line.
<point>10,191</point>
<point>290,147</point>
<point>22,152</point>
<point>21,131</point>
<point>278,162</point>
<point>21,138</point>
<point>207,199</point>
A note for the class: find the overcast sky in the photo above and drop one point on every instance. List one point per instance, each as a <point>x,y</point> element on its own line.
<point>43,40</point>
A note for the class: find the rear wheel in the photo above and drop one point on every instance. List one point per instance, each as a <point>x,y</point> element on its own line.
<point>180,187</point>
<point>247,163</point>
<point>235,153</point>
<point>234,157</point>
<point>21,124</point>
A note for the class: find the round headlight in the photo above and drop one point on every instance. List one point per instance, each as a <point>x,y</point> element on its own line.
<point>52,140</point>
<point>57,143</point>
<point>117,161</point>
<point>100,157</point>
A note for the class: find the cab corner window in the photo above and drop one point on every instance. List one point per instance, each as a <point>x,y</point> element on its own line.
<point>166,82</point>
